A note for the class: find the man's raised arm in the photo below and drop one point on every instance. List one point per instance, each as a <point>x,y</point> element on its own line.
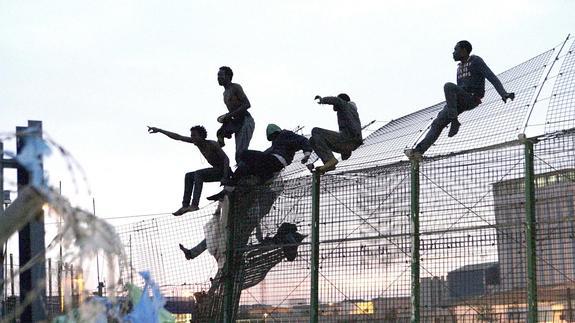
<point>493,79</point>
<point>331,100</point>
<point>170,134</point>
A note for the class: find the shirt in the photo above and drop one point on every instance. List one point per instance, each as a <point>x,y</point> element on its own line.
<point>286,143</point>
<point>471,77</point>
<point>347,117</point>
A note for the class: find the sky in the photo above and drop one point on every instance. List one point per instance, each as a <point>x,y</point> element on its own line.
<point>98,72</point>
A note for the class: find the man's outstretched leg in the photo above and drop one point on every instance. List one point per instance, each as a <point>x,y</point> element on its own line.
<point>326,142</point>
<point>434,131</point>
<point>189,181</point>
<point>457,101</point>
<point>323,142</point>
<point>195,251</point>
<point>453,95</point>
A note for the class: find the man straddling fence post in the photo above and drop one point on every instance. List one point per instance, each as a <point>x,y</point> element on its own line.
<point>324,142</point>
<point>466,95</point>
<point>238,120</point>
<point>263,165</point>
<point>194,181</point>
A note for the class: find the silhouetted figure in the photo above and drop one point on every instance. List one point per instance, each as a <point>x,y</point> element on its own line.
<point>238,120</point>
<point>264,165</point>
<point>466,95</point>
<point>194,181</point>
<point>325,142</point>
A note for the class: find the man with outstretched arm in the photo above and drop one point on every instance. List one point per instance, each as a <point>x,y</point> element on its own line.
<point>325,142</point>
<point>194,181</point>
<point>238,120</point>
<point>264,165</point>
<point>466,95</point>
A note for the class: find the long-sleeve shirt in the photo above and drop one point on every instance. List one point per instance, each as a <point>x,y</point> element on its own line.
<point>287,143</point>
<point>471,77</point>
<point>347,117</point>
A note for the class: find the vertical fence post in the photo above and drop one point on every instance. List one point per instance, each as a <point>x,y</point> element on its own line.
<point>228,306</point>
<point>314,297</point>
<point>530,231</point>
<point>2,254</point>
<point>12,275</point>
<point>414,218</point>
<point>59,282</point>
<point>72,285</point>
<point>569,305</point>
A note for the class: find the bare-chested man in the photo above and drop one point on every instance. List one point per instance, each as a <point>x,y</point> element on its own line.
<point>194,181</point>
<point>238,120</point>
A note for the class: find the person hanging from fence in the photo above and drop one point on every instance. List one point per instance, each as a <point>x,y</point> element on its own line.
<point>325,142</point>
<point>237,120</point>
<point>466,95</point>
<point>263,165</point>
<point>193,181</point>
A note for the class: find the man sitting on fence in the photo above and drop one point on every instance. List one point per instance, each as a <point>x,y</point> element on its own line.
<point>264,165</point>
<point>194,181</point>
<point>324,142</point>
<point>466,95</point>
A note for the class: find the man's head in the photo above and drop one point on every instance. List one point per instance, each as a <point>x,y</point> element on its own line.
<point>272,131</point>
<point>344,97</point>
<point>198,133</point>
<point>225,75</point>
<point>462,50</point>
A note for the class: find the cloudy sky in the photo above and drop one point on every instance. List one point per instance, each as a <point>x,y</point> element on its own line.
<point>97,72</point>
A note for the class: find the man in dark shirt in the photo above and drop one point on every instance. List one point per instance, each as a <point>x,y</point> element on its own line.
<point>466,95</point>
<point>194,181</point>
<point>324,142</point>
<point>264,164</point>
<point>238,120</point>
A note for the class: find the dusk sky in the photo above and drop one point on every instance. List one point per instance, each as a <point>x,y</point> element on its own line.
<point>97,73</point>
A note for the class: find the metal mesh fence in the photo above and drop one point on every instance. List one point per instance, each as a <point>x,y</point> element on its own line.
<point>560,115</point>
<point>472,218</point>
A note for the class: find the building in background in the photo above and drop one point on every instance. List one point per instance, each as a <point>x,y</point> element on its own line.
<point>555,249</point>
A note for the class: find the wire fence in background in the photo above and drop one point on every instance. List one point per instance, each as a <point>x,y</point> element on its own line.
<point>472,218</point>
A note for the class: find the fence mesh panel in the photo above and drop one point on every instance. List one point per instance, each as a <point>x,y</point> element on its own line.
<point>473,259</point>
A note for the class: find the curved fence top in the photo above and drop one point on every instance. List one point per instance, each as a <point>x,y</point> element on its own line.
<point>493,122</point>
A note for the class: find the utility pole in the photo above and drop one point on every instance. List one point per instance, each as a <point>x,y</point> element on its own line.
<point>31,238</point>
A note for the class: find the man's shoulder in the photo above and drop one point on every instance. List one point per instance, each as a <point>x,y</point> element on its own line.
<point>475,58</point>
<point>235,86</point>
<point>212,143</point>
<point>210,146</point>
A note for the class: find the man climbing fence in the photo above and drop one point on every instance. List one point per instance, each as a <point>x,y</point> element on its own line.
<point>326,142</point>
<point>194,181</point>
<point>466,95</point>
<point>237,120</point>
<point>262,165</point>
